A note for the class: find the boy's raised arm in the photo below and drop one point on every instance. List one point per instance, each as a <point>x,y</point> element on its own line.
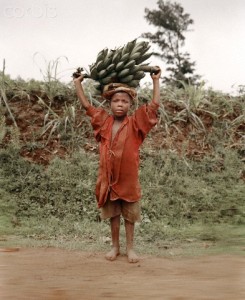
<point>80,93</point>
<point>156,86</point>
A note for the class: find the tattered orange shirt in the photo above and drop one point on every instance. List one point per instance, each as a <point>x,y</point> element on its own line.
<point>119,159</point>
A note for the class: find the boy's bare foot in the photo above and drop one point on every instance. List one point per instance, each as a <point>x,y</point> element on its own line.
<point>132,256</point>
<point>112,255</point>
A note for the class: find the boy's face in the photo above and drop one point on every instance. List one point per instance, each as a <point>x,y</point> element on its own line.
<point>120,104</point>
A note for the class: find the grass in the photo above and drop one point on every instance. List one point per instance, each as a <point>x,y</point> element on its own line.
<point>155,238</point>
<point>158,237</point>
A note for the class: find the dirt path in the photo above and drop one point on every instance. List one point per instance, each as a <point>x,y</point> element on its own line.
<point>59,274</point>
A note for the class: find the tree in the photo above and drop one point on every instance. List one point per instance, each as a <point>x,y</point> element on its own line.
<point>172,22</point>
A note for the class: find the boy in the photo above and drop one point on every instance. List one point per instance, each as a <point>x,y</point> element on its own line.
<point>120,136</point>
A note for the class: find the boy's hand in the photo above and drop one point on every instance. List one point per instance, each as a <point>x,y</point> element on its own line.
<point>78,77</point>
<point>156,74</point>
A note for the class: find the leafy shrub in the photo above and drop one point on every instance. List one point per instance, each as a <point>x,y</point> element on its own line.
<point>66,187</point>
<point>181,191</point>
<point>175,191</point>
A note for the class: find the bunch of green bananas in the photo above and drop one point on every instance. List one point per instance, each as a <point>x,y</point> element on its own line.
<point>122,65</point>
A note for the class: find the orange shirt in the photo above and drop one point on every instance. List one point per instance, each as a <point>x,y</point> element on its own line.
<point>119,159</point>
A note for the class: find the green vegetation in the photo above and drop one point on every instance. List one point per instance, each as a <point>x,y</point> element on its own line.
<point>172,23</point>
<point>192,170</point>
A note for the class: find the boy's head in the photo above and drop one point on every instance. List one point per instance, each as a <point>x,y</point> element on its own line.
<point>113,88</point>
<point>120,104</point>
<point>120,96</point>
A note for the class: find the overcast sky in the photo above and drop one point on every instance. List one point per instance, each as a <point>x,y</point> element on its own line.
<point>32,32</point>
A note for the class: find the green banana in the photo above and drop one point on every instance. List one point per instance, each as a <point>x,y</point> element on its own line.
<point>108,59</point>
<point>116,57</point>
<point>134,83</point>
<point>110,67</point>
<point>119,66</point>
<point>94,73</point>
<point>127,79</point>
<point>125,57</point>
<point>143,58</point>
<point>129,47</point>
<point>100,65</point>
<point>102,73</point>
<point>139,47</point>
<point>130,64</point>
<point>139,75</point>
<point>135,56</point>
<point>106,80</point>
<point>113,76</point>
<point>101,56</point>
<point>145,49</point>
<point>123,73</point>
<point>135,69</point>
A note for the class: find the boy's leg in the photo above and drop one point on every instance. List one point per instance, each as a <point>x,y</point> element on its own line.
<point>115,229</point>
<point>129,228</point>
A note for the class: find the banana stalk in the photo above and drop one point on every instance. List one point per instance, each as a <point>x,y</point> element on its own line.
<point>149,69</point>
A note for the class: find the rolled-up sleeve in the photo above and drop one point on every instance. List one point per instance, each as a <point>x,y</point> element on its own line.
<point>145,118</point>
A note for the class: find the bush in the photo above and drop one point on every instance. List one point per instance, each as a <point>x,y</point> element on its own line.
<point>175,191</point>
<point>181,190</point>
<point>65,187</point>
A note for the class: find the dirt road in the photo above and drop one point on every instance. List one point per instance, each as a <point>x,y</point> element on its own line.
<point>61,274</point>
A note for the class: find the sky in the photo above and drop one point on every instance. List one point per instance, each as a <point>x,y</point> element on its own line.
<point>36,33</point>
